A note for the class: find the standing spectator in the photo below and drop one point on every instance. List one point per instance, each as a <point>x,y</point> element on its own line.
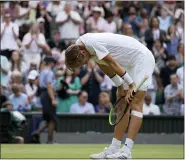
<point>111,25</point>
<point>31,88</point>
<point>16,63</point>
<point>104,103</point>
<point>173,41</point>
<point>34,43</point>
<point>149,108</point>
<point>47,97</point>
<point>173,97</point>
<point>180,75</point>
<point>180,27</point>
<point>69,23</point>
<point>145,23</point>
<point>91,78</point>
<point>42,13</point>
<point>9,35</point>
<point>170,69</point>
<point>96,23</point>
<point>4,66</point>
<point>160,55</point>
<point>180,55</point>
<point>154,33</point>
<point>165,20</point>
<point>19,99</point>
<point>13,9</point>
<point>117,19</point>
<point>68,89</point>
<point>134,20</point>
<point>82,106</point>
<point>55,7</point>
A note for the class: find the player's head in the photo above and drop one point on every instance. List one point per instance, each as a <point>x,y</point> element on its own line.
<point>76,56</point>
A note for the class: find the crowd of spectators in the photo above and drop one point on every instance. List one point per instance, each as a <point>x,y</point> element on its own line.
<point>30,30</point>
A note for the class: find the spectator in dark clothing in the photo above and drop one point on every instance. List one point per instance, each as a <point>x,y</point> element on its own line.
<point>91,79</point>
<point>154,33</point>
<point>170,69</point>
<point>56,42</point>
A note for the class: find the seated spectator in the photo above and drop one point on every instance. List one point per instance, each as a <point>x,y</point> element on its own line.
<point>16,77</point>
<point>19,99</point>
<point>134,20</point>
<point>9,35</point>
<point>149,108</point>
<point>91,79</point>
<point>16,124</point>
<point>68,87</point>
<point>173,97</point>
<point>117,19</point>
<point>96,23</point>
<point>173,41</point>
<point>34,43</point>
<point>31,88</point>
<point>68,21</point>
<point>82,106</point>
<point>165,72</point>
<point>128,31</point>
<point>145,22</point>
<point>16,63</point>
<point>154,33</point>
<point>104,103</point>
<point>5,67</point>
<point>160,55</point>
<point>56,42</point>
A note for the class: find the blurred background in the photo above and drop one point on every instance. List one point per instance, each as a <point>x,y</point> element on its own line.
<point>31,30</point>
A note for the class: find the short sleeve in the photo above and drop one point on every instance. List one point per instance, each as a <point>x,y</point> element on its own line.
<point>76,16</point>
<point>49,77</point>
<point>61,17</point>
<point>100,49</point>
<point>42,39</point>
<point>16,29</point>
<point>26,39</point>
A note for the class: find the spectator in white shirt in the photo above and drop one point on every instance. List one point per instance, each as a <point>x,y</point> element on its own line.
<point>149,108</point>
<point>9,35</point>
<point>180,73</point>
<point>96,23</point>
<point>34,43</point>
<point>68,21</point>
<point>82,106</point>
<point>111,25</point>
<point>31,88</point>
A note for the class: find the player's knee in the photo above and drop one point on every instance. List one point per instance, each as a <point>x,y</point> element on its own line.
<point>137,114</point>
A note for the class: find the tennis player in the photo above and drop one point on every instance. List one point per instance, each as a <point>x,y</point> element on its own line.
<point>126,61</point>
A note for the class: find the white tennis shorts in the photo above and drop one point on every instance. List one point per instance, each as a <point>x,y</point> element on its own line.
<point>144,66</point>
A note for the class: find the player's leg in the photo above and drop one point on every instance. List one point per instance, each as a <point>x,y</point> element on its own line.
<point>134,126</point>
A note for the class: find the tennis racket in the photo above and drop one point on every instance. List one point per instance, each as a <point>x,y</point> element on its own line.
<point>120,107</point>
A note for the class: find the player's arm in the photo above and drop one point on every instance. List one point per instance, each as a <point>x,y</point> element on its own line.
<point>118,69</point>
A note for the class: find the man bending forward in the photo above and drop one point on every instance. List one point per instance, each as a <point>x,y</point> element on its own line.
<point>126,61</point>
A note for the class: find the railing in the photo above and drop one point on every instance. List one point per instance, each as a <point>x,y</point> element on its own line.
<point>99,123</point>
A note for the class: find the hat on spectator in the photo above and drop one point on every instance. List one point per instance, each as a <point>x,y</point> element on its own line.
<point>97,9</point>
<point>50,59</point>
<point>40,20</point>
<point>33,74</point>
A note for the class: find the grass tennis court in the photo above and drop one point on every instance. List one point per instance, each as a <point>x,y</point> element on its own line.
<point>82,151</point>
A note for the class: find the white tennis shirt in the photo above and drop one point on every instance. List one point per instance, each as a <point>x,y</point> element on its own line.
<point>125,50</point>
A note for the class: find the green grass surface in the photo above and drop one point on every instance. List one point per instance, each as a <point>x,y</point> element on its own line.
<point>83,151</point>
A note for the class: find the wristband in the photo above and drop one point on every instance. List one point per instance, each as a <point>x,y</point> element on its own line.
<point>117,80</point>
<point>127,78</point>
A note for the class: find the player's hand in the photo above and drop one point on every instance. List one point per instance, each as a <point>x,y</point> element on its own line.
<point>120,92</point>
<point>54,103</point>
<point>130,93</point>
